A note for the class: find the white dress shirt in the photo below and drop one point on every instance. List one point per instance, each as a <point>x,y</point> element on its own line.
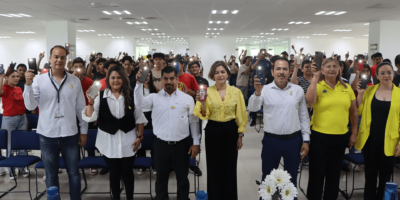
<point>120,144</point>
<point>171,115</point>
<point>285,111</point>
<point>72,101</point>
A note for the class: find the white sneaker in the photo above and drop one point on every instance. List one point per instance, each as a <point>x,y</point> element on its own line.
<point>44,177</point>
<point>139,172</point>
<point>357,169</point>
<point>59,171</point>
<point>154,172</point>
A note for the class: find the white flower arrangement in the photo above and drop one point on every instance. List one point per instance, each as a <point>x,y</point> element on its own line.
<point>277,184</point>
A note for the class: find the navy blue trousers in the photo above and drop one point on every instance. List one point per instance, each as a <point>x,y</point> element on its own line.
<point>274,149</point>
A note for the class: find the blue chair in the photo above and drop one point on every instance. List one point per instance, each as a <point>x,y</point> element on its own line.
<point>1,119</point>
<point>356,159</point>
<point>91,162</point>
<point>22,140</point>
<point>40,165</point>
<point>3,142</point>
<point>145,162</point>
<point>32,120</point>
<point>261,120</point>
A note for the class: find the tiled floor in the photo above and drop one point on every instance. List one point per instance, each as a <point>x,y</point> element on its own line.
<point>249,170</point>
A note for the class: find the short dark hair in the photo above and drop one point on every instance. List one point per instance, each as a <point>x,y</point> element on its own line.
<point>291,54</point>
<point>194,63</point>
<point>148,56</point>
<point>59,46</point>
<point>397,60</point>
<point>367,67</point>
<point>280,58</point>
<point>387,60</point>
<point>263,49</point>
<point>285,53</point>
<point>214,68</point>
<point>99,53</point>
<point>247,57</point>
<point>169,69</point>
<point>109,62</point>
<point>78,60</point>
<point>273,59</point>
<point>128,58</point>
<point>21,65</point>
<point>306,61</point>
<point>373,56</point>
<point>101,60</point>
<point>377,55</point>
<point>158,55</point>
<point>170,61</point>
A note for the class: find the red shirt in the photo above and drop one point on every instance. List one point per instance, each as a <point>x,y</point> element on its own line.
<point>103,84</point>
<point>187,81</point>
<point>86,83</point>
<point>13,102</point>
<point>373,71</point>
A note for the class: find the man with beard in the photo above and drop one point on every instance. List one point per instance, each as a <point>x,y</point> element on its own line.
<point>286,120</point>
<point>172,114</point>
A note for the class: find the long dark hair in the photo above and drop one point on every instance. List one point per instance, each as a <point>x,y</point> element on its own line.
<point>152,88</point>
<point>126,88</point>
<point>338,77</point>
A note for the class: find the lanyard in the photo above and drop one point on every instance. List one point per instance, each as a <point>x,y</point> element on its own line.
<point>58,90</point>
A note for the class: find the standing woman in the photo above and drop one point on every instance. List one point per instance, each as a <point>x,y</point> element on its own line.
<point>225,110</point>
<point>14,117</point>
<point>120,130</point>
<point>234,69</point>
<point>332,100</point>
<point>379,130</point>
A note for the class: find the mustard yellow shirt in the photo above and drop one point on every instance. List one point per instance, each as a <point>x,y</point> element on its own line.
<point>392,124</point>
<point>331,111</point>
<point>233,107</point>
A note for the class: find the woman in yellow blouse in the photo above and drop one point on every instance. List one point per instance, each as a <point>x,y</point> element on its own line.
<point>379,130</point>
<point>333,102</point>
<point>227,118</point>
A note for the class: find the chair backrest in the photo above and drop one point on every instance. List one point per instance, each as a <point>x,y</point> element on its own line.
<point>91,140</point>
<point>147,142</point>
<point>3,139</point>
<point>25,140</point>
<point>1,119</point>
<point>32,120</point>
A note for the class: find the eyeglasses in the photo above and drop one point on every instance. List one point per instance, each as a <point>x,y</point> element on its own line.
<point>383,73</point>
<point>332,67</point>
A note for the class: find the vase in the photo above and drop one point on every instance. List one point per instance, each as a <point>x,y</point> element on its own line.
<point>276,196</point>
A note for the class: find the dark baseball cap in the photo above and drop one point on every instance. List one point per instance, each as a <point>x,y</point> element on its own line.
<point>179,58</point>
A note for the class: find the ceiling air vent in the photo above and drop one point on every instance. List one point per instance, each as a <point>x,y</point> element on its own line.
<point>102,5</point>
<point>150,17</point>
<point>105,18</point>
<point>128,18</point>
<point>83,19</point>
<point>383,6</point>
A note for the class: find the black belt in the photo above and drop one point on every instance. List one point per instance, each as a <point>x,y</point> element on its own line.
<point>170,142</point>
<point>283,137</point>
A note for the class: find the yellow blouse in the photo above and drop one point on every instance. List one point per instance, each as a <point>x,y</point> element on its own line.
<point>233,107</point>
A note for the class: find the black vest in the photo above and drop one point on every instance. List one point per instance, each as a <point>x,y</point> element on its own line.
<point>110,124</point>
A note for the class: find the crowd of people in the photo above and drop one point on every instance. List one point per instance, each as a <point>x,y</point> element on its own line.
<point>309,112</point>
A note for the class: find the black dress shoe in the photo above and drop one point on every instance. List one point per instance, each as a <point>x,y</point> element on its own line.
<point>196,170</point>
<point>104,171</point>
<point>253,123</point>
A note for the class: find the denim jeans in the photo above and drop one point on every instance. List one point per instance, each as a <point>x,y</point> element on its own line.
<point>12,123</point>
<point>69,148</point>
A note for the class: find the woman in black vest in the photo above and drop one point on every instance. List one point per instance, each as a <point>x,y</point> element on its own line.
<point>120,128</point>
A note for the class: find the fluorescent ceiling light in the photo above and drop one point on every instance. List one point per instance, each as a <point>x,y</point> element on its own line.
<point>210,22</point>
<point>366,35</point>
<point>218,22</point>
<point>126,12</point>
<point>209,29</point>
<point>155,29</point>
<point>235,11</point>
<point>299,22</point>
<point>106,12</point>
<point>80,31</point>
<point>24,15</point>
<point>279,29</point>
<point>214,12</point>
<point>99,34</point>
<point>226,22</point>
<point>224,11</point>
<point>285,29</point>
<point>92,30</point>
<point>77,38</point>
<point>109,34</point>
<point>117,12</point>
<point>105,34</point>
<point>5,15</point>
<point>25,32</point>
<point>137,22</point>
<point>342,30</point>
<point>221,29</point>
<point>129,23</point>
<point>215,29</point>
<point>4,37</point>
<point>366,24</point>
<point>144,22</point>
<point>291,22</point>
<point>340,13</point>
<point>274,29</point>
<point>330,13</point>
<point>319,13</point>
<point>14,15</point>
<point>306,22</point>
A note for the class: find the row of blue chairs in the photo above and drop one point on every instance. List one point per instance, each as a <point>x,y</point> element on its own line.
<point>32,120</point>
<point>30,140</point>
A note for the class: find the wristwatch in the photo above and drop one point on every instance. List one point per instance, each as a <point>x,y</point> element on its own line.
<point>140,136</point>
<point>241,135</point>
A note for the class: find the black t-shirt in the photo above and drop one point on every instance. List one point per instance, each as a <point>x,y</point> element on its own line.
<point>132,79</point>
<point>98,76</point>
<point>201,81</point>
<point>21,84</point>
<point>396,79</point>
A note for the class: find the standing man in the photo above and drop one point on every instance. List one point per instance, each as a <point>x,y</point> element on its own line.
<point>94,74</point>
<point>376,59</point>
<point>244,72</point>
<point>263,62</point>
<point>127,62</point>
<point>286,121</point>
<point>156,71</point>
<point>60,98</point>
<point>194,69</point>
<point>187,83</point>
<point>172,114</point>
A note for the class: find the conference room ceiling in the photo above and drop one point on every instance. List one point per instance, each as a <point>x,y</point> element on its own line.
<point>188,18</point>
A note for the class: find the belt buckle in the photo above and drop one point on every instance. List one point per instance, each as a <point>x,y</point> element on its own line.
<point>171,143</point>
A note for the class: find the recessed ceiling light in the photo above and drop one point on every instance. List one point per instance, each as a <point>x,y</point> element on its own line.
<point>105,34</point>
<point>285,29</point>
<point>226,22</point>
<point>92,30</point>
<point>218,22</point>
<point>342,30</point>
<point>319,13</point>
<point>224,11</point>
<point>207,33</point>
<point>274,29</point>
<point>366,24</point>
<point>210,22</point>
<point>25,32</point>
<point>347,37</point>
<point>299,22</point>
<point>306,22</point>
<point>126,12</point>
<point>20,14</point>
<point>77,38</point>
<point>292,22</point>
<point>214,12</point>
<point>221,29</point>
<point>106,12</point>
<point>366,35</point>
<point>340,13</point>
<point>99,34</point>
<point>320,34</point>
<point>235,11</point>
<point>209,29</point>
<point>129,23</point>
<point>330,13</point>
<point>117,12</point>
<point>137,22</point>
<point>5,37</point>
<point>155,29</point>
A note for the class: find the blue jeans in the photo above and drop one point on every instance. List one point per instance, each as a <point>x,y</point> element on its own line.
<point>69,148</point>
<point>12,123</point>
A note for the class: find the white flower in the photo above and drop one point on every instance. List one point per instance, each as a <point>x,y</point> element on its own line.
<point>267,189</point>
<point>288,192</point>
<point>280,177</point>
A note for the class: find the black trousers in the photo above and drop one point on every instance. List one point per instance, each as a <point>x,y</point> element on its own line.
<point>221,155</point>
<point>174,157</point>
<point>121,167</point>
<point>326,158</point>
<point>376,162</point>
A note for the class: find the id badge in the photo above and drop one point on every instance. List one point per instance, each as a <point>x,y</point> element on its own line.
<point>59,113</point>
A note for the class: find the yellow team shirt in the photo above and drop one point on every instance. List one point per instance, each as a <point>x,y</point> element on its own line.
<point>233,107</point>
<point>331,111</point>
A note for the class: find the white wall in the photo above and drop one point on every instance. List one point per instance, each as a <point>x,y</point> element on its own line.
<point>165,48</point>
<point>20,50</point>
<point>211,50</point>
<point>106,45</point>
<point>339,46</point>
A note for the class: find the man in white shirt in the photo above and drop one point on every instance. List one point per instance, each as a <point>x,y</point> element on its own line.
<point>286,120</point>
<point>60,98</point>
<point>172,114</point>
